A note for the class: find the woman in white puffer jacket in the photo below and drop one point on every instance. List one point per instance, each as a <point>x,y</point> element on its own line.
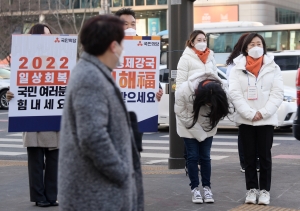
<point>200,103</point>
<point>196,58</point>
<point>256,90</point>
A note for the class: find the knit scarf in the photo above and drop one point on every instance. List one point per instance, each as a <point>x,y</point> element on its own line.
<point>254,65</point>
<point>202,55</point>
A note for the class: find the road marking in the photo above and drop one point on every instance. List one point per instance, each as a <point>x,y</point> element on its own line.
<point>287,156</point>
<point>3,120</point>
<point>11,139</point>
<point>161,155</point>
<point>12,145</point>
<point>156,161</point>
<point>235,137</point>
<point>4,113</point>
<point>212,149</point>
<point>15,134</point>
<point>12,153</point>
<point>215,143</point>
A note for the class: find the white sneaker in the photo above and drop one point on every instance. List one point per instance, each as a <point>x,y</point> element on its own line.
<point>196,198</point>
<point>208,195</point>
<point>251,196</point>
<point>264,197</point>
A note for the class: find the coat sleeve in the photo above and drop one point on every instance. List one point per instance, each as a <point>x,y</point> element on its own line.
<point>275,97</point>
<point>182,71</point>
<point>215,68</point>
<point>237,96</point>
<point>92,130</point>
<point>181,109</point>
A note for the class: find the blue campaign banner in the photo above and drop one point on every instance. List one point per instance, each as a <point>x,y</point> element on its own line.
<point>34,123</point>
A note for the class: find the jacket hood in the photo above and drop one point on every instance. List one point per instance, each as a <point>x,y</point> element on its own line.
<point>196,78</point>
<point>240,61</point>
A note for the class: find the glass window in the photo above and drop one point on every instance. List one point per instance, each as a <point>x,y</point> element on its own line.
<point>128,2</point>
<point>294,40</point>
<point>4,74</point>
<point>224,42</point>
<point>151,2</point>
<point>76,4</point>
<point>222,68</point>
<point>139,2</point>
<point>221,76</point>
<point>164,75</point>
<point>44,5</point>
<point>161,2</point>
<point>285,16</point>
<point>287,62</point>
<point>90,3</point>
<point>117,3</point>
<point>275,41</point>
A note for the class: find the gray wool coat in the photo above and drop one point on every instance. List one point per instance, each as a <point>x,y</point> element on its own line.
<point>99,165</point>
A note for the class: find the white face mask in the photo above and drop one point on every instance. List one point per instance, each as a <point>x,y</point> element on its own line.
<point>130,32</point>
<point>256,52</point>
<point>120,57</point>
<point>201,46</point>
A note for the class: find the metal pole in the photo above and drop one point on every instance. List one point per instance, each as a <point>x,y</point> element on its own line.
<point>181,24</point>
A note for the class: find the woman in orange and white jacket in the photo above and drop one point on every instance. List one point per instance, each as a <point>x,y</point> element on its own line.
<point>256,90</point>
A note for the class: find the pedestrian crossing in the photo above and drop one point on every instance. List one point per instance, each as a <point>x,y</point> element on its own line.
<point>157,151</point>
<point>154,151</point>
<point>12,145</point>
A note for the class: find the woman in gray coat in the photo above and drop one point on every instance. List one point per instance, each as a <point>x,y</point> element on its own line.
<point>42,152</point>
<point>99,165</point>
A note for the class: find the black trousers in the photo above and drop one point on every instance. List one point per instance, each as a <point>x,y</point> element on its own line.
<point>241,153</point>
<point>42,186</point>
<point>258,138</point>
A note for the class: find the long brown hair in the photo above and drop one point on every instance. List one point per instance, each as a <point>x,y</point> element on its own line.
<point>193,36</point>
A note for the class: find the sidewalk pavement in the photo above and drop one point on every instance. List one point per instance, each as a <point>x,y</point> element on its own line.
<point>168,190</point>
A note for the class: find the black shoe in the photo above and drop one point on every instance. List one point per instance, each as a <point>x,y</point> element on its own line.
<point>42,204</point>
<point>54,203</point>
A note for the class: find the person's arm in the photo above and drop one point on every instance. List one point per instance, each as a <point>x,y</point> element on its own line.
<point>159,94</point>
<point>9,95</point>
<point>91,110</point>
<point>182,71</point>
<point>215,68</point>
<point>275,97</point>
<point>237,97</point>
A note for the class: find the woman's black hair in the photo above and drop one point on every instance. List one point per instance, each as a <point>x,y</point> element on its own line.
<point>38,29</point>
<point>210,93</point>
<point>237,49</point>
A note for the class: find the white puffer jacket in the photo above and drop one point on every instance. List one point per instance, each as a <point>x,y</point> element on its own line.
<point>190,63</point>
<point>184,109</point>
<point>269,87</point>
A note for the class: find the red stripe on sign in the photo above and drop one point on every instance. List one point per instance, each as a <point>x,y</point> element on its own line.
<point>287,156</point>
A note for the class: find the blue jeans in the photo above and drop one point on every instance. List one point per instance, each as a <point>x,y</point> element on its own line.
<point>198,151</point>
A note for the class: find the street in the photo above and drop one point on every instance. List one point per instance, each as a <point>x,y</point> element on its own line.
<point>168,189</point>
